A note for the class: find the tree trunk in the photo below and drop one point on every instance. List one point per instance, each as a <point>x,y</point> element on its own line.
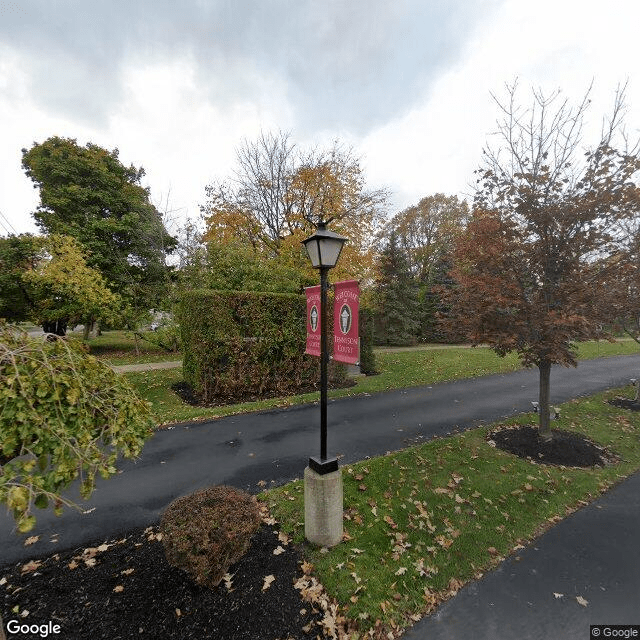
<point>86,331</point>
<point>543,400</point>
<point>56,327</point>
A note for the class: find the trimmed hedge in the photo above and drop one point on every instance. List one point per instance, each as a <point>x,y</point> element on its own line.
<point>239,344</point>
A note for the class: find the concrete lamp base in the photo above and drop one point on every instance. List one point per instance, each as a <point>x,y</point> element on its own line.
<point>323,507</point>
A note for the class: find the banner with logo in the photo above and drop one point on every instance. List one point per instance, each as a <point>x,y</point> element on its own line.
<point>313,320</point>
<point>346,343</point>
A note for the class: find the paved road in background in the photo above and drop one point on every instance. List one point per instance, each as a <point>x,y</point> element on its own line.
<point>274,446</point>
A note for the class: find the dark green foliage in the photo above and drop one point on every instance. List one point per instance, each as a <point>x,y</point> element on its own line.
<point>239,344</point>
<point>18,254</point>
<point>87,193</point>
<point>206,532</point>
<point>397,321</point>
<point>367,357</point>
<point>63,414</point>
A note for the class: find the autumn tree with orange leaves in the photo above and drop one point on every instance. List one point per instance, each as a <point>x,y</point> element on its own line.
<point>278,194</point>
<point>543,240</point>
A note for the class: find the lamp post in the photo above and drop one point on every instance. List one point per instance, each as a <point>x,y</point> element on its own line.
<point>324,248</point>
<point>323,481</point>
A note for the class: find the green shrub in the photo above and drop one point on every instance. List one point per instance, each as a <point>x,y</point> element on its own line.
<point>63,414</point>
<point>204,533</point>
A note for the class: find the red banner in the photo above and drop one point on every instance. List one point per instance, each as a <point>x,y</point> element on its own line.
<point>313,320</point>
<point>346,344</point>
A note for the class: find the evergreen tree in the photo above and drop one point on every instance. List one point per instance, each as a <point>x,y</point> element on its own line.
<point>398,308</point>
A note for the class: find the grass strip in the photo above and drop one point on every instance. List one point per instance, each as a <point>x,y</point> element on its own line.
<point>421,522</point>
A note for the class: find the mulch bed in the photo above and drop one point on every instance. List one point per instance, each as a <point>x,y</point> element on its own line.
<point>565,448</point>
<point>188,395</point>
<point>126,589</point>
<point>625,403</point>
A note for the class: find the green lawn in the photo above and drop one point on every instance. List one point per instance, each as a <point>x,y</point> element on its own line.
<point>421,522</point>
<point>399,369</point>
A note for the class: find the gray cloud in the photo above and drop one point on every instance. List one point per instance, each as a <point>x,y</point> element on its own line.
<point>349,64</point>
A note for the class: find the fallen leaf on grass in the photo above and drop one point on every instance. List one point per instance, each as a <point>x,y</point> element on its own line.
<point>582,601</point>
<point>31,540</point>
<point>493,551</point>
<point>444,542</point>
<point>307,567</point>
<point>401,571</point>
<point>267,582</point>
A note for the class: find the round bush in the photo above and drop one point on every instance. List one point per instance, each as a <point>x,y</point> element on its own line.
<point>204,533</point>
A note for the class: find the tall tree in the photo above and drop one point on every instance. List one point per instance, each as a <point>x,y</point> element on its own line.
<point>87,193</point>
<point>396,295</point>
<point>426,232</point>
<point>540,247</point>
<point>278,193</point>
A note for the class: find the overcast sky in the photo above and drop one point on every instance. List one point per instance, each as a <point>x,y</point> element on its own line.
<point>176,86</point>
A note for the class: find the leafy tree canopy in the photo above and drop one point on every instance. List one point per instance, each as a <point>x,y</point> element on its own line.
<point>18,255</point>
<point>52,283</point>
<point>278,194</point>
<point>426,232</point>
<point>87,193</point>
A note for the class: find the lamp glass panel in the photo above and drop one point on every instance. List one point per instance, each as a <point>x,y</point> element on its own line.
<point>330,251</point>
<point>314,253</point>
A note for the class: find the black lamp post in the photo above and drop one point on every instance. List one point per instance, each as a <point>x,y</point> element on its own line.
<point>324,249</point>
